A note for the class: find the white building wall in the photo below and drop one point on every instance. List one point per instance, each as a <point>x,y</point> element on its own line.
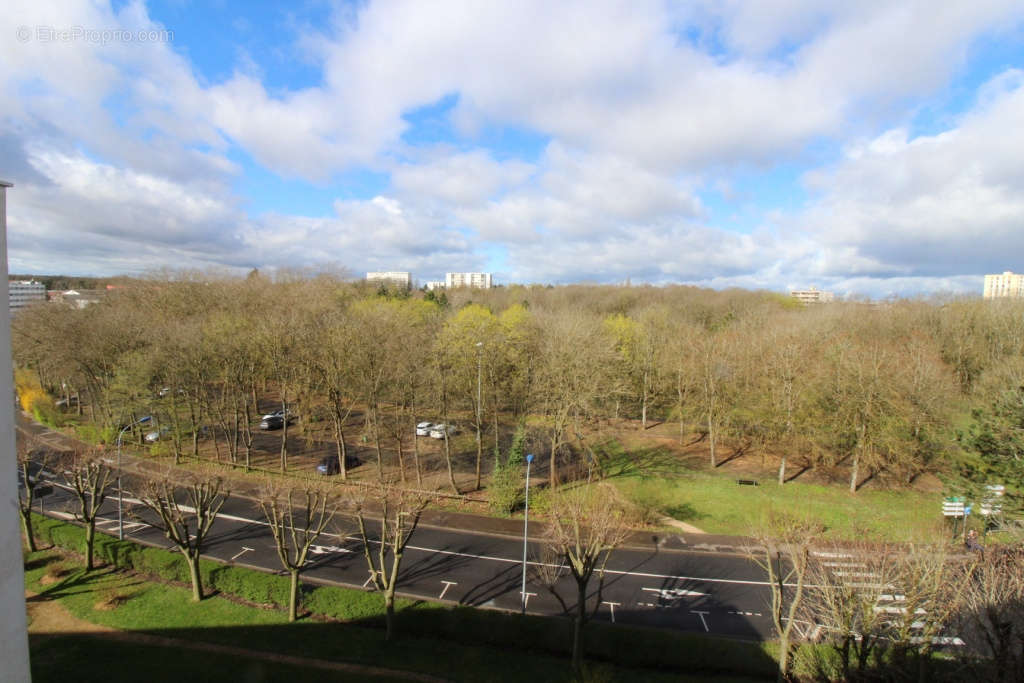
<point>481,280</point>
<point>13,624</point>
<point>21,294</point>
<point>1009,284</point>
<point>391,277</point>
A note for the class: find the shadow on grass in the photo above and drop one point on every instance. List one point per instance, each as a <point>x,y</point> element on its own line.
<point>78,581</point>
<point>429,644</point>
<point>615,461</point>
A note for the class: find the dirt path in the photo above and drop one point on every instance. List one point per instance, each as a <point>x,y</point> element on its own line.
<point>48,617</point>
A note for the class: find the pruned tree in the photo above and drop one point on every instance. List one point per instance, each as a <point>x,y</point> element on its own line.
<point>32,461</point>
<point>782,548</point>
<point>931,597</point>
<point>853,612</point>
<point>400,513</point>
<point>586,525</point>
<point>991,621</point>
<point>186,523</point>
<point>296,517</point>
<point>88,477</point>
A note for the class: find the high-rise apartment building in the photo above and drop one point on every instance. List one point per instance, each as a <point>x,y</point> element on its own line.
<point>812,296</point>
<point>481,280</point>
<point>433,285</point>
<point>24,293</point>
<point>394,278</point>
<point>1006,285</point>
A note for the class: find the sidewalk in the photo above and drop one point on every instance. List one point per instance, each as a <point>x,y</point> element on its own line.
<point>444,519</point>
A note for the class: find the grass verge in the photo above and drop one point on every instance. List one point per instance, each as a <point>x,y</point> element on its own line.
<point>455,643</point>
<point>718,505</point>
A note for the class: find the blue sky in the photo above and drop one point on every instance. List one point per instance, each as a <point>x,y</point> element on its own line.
<point>870,148</point>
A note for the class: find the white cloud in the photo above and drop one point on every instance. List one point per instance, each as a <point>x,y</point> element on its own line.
<point>950,203</point>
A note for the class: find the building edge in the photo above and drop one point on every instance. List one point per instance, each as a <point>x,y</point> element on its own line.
<point>14,625</point>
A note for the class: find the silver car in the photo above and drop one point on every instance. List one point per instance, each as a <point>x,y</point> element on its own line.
<point>441,428</point>
<point>424,428</point>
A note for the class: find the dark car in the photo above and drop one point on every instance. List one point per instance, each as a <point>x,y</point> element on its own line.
<point>329,464</point>
<point>272,422</point>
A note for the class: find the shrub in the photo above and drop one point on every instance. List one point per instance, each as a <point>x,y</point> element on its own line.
<point>257,587</point>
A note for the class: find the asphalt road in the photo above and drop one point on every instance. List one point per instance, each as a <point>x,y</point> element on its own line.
<point>479,564</point>
<point>717,593</point>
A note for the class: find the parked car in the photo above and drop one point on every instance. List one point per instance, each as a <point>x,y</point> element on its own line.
<point>424,428</point>
<point>277,413</point>
<point>272,422</point>
<point>329,464</point>
<point>157,434</point>
<point>439,430</point>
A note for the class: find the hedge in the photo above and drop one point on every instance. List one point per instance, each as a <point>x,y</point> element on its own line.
<point>618,644</point>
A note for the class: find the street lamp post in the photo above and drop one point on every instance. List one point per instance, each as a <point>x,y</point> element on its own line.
<point>526,524</point>
<point>120,494</point>
<point>479,405</point>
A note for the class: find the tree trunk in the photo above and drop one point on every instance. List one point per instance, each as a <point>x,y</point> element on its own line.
<point>448,461</point>
<point>284,436</point>
<point>90,541</point>
<point>855,471</point>
<point>479,451</point>
<point>376,441</point>
<point>26,523</point>
<point>389,614</point>
<point>399,430</point>
<point>339,439</point>
<point>293,596</point>
<point>711,439</point>
<point>782,470</point>
<point>643,404</point>
<point>553,473</point>
<point>197,579</point>
<point>577,627</point>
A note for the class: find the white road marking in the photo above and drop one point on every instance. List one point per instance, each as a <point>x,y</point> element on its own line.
<point>328,549</point>
<point>447,585</point>
<point>611,606</point>
<point>526,598</point>
<point>702,619</point>
<point>673,593</point>
<point>244,551</point>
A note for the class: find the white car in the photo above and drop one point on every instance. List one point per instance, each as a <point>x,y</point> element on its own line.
<point>424,428</point>
<point>439,430</point>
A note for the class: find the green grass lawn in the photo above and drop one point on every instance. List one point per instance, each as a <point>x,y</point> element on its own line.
<point>717,504</point>
<point>129,602</point>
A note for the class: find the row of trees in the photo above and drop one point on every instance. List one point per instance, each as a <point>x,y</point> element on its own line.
<point>877,388</point>
<point>586,525</point>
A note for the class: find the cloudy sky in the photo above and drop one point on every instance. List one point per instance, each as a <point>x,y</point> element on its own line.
<point>869,147</point>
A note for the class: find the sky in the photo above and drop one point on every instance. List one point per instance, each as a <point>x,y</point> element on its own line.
<point>871,148</point>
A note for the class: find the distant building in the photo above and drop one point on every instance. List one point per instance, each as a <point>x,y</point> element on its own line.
<point>812,296</point>
<point>25,293</point>
<point>78,298</point>
<point>394,278</point>
<point>1010,285</point>
<point>480,280</point>
<point>433,285</point>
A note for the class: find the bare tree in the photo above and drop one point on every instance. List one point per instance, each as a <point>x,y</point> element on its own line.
<point>852,611</point>
<point>992,619</point>
<point>186,523</point>
<point>296,518</point>
<point>782,550</point>
<point>88,476</point>
<point>586,526</point>
<point>32,461</point>
<point>400,513</point>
